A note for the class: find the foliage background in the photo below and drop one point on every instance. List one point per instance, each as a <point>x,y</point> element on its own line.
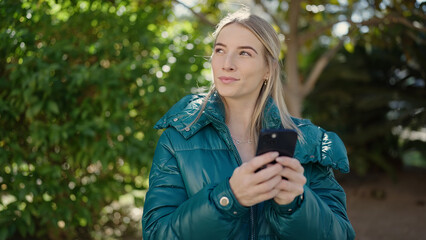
<point>83,82</point>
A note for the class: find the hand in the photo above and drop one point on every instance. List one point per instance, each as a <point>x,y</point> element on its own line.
<point>292,186</point>
<point>251,187</point>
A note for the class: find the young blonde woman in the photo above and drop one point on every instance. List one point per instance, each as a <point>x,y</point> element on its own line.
<point>204,182</point>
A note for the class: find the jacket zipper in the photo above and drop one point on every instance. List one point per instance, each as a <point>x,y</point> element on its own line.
<point>239,162</point>
<point>252,223</point>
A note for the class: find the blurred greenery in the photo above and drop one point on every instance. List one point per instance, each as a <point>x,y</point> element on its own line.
<point>374,95</point>
<point>81,85</point>
<point>83,82</point>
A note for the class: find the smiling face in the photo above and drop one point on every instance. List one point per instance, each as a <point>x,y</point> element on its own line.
<point>238,63</point>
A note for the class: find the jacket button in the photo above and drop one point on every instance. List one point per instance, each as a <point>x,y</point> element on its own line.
<point>175,119</point>
<point>224,201</point>
<point>187,129</point>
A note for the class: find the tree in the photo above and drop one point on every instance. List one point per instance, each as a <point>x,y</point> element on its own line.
<point>374,98</point>
<point>81,85</point>
<point>308,23</point>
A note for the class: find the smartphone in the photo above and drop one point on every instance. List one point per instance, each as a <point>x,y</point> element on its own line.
<point>282,141</point>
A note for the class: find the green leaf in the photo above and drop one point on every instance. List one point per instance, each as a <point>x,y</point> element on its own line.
<point>34,110</point>
<point>22,229</point>
<point>53,107</point>
<point>3,233</point>
<point>349,47</point>
<point>27,217</point>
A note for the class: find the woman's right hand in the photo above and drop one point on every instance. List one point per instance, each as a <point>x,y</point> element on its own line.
<point>251,186</point>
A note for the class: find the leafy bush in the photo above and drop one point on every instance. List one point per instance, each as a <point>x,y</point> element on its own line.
<point>81,85</point>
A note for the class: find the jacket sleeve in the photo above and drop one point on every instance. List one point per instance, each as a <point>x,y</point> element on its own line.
<point>170,214</point>
<point>321,211</point>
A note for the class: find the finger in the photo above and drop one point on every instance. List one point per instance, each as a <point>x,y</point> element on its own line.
<point>267,190</point>
<point>285,198</point>
<point>268,195</point>
<point>263,197</point>
<point>291,163</point>
<point>293,176</point>
<point>258,193</point>
<point>261,160</point>
<point>269,172</point>
<point>290,187</point>
<point>268,185</point>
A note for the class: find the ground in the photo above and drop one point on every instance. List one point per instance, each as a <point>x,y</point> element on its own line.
<point>380,207</point>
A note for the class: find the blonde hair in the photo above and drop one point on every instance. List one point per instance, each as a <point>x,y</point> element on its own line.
<point>273,86</point>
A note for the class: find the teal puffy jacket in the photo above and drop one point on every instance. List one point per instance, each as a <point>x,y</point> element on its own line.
<point>190,175</point>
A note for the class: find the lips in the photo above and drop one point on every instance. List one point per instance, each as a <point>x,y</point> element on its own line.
<point>226,80</point>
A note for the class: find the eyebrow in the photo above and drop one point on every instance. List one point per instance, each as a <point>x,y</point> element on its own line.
<point>240,47</point>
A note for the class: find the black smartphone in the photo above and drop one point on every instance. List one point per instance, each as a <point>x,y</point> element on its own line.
<point>282,141</point>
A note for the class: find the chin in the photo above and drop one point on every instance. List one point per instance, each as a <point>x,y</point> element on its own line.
<point>225,92</point>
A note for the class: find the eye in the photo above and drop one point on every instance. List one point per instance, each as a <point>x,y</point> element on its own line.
<point>245,53</point>
<point>218,50</point>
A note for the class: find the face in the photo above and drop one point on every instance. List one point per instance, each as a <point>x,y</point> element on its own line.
<point>238,63</point>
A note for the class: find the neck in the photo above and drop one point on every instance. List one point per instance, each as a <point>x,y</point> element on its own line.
<point>239,115</point>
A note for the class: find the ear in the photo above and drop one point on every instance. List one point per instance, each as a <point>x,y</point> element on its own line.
<point>268,69</point>
<point>266,76</point>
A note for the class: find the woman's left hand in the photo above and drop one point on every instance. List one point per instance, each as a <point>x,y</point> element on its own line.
<point>292,186</point>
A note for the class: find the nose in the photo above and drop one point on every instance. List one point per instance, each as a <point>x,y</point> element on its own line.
<point>229,64</point>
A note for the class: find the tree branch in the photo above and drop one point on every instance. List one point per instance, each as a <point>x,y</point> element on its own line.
<point>304,37</point>
<point>200,16</point>
<point>319,67</point>
<point>404,21</point>
<point>274,19</point>
<point>389,19</point>
<point>294,10</point>
<point>293,96</point>
<point>327,56</point>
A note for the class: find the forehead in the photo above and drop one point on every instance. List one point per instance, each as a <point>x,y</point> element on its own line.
<point>235,34</point>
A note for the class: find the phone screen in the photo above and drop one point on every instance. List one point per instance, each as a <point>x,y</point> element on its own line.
<point>277,140</point>
<point>282,141</point>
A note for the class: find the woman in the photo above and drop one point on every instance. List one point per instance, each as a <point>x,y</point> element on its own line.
<point>204,180</point>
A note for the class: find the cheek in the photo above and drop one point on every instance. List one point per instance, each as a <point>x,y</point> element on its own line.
<point>256,70</point>
<point>214,65</point>
<point>215,70</point>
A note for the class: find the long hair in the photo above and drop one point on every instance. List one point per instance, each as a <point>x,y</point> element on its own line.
<point>273,87</point>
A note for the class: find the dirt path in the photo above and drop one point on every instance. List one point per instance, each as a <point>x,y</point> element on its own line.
<point>380,208</point>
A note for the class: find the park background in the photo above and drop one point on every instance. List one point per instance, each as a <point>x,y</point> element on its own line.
<point>83,82</point>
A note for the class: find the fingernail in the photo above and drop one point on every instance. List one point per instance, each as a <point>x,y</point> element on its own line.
<point>275,154</point>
